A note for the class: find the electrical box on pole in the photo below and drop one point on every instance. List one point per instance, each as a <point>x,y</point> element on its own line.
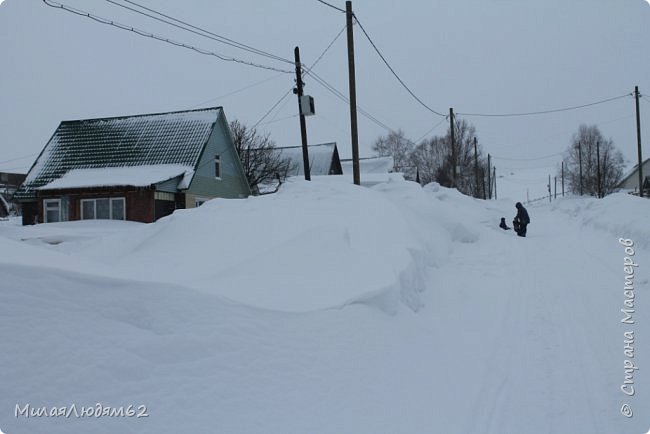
<point>307,105</point>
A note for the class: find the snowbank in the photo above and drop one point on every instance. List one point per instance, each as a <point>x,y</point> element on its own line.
<point>619,214</point>
<point>313,245</point>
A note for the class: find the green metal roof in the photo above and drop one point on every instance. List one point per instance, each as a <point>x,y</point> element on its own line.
<point>152,139</point>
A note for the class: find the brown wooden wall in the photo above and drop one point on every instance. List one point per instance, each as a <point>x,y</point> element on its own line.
<point>140,204</point>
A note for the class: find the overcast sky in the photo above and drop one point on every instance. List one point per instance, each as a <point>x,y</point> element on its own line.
<point>477,56</point>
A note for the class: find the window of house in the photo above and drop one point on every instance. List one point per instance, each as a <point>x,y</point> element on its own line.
<point>113,208</point>
<point>52,210</point>
<point>217,166</point>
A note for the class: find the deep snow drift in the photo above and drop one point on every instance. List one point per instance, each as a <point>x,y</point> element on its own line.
<point>329,308</point>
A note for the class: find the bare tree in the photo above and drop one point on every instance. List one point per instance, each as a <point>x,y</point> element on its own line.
<point>396,145</point>
<point>429,157</point>
<point>261,160</point>
<point>610,164</point>
<point>433,157</point>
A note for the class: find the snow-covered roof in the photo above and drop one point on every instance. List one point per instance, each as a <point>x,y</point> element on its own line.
<point>320,159</point>
<point>175,138</point>
<point>370,165</point>
<point>137,176</point>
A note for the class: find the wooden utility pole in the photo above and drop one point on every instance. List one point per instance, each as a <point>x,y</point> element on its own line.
<point>580,163</point>
<point>563,179</point>
<point>638,140</point>
<point>598,169</point>
<point>453,147</point>
<point>489,173</point>
<point>303,125</point>
<point>476,169</point>
<point>353,95</point>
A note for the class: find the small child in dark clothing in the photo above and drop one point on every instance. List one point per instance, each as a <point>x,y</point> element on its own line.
<point>503,224</point>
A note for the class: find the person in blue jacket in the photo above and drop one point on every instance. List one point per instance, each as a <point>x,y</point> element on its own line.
<point>521,221</point>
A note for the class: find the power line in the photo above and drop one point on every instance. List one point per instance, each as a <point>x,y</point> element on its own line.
<point>331,5</point>
<point>198,30</point>
<point>432,129</point>
<point>273,107</point>
<point>546,111</point>
<point>158,37</point>
<point>343,98</point>
<point>238,90</point>
<point>393,71</point>
<point>528,159</point>
<point>272,121</point>
<point>328,47</point>
<point>18,158</point>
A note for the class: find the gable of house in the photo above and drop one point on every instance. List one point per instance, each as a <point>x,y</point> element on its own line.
<point>323,159</point>
<point>631,180</point>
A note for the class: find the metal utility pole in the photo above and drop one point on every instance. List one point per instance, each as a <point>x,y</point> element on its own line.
<point>563,179</point>
<point>476,169</point>
<point>303,125</point>
<point>353,95</point>
<point>489,178</point>
<point>598,169</point>
<point>638,140</point>
<point>580,163</point>
<point>453,147</point>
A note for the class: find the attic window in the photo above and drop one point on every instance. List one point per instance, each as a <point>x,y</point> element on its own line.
<point>217,166</point>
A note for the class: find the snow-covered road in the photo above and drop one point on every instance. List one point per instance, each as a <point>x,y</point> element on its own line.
<point>504,336</point>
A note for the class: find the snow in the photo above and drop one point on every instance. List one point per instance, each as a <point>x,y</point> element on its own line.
<point>320,159</point>
<point>370,165</point>
<point>330,308</point>
<point>138,176</point>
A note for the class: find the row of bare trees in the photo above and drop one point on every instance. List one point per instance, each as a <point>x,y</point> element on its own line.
<point>431,160</point>
<point>592,165</point>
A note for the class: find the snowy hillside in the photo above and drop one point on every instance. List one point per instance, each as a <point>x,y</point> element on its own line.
<point>330,308</point>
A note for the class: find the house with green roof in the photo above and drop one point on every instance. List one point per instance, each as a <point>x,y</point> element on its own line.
<point>137,168</point>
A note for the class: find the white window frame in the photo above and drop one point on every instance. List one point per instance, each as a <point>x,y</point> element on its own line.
<point>110,207</point>
<point>46,202</point>
<point>217,166</point>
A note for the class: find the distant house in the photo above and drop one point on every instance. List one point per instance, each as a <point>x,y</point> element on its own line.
<point>370,165</point>
<point>9,183</point>
<point>323,160</point>
<point>631,180</point>
<point>373,170</point>
<point>138,168</point>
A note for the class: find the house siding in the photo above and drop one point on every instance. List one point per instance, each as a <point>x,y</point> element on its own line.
<point>631,182</point>
<point>232,183</point>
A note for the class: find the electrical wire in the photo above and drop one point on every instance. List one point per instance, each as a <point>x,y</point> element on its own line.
<point>542,112</point>
<point>528,159</point>
<point>393,71</point>
<point>433,129</point>
<point>158,37</point>
<point>343,98</point>
<point>331,5</point>
<point>272,121</point>
<point>271,109</point>
<point>238,90</point>
<point>328,47</point>
<point>198,30</point>
<point>18,158</point>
